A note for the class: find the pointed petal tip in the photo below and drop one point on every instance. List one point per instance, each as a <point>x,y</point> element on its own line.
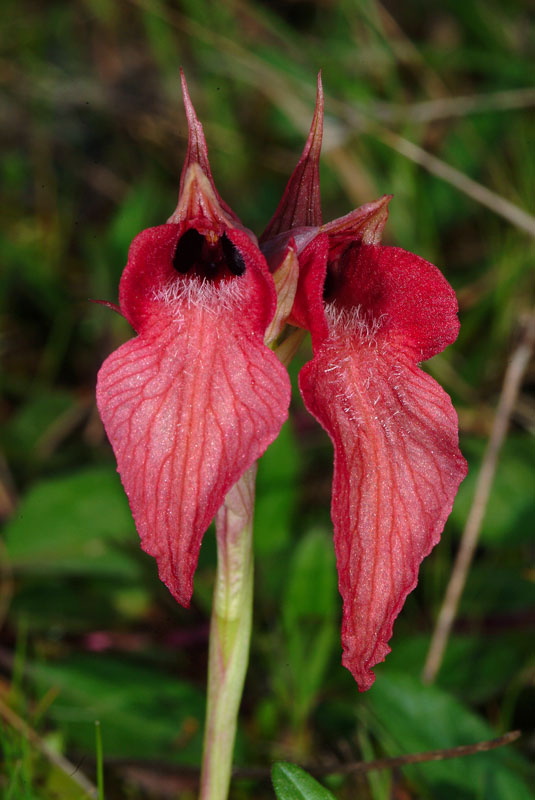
<point>301,202</point>
<point>365,678</point>
<point>320,99</point>
<point>197,150</point>
<point>319,91</point>
<point>384,202</point>
<point>315,136</point>
<point>365,223</point>
<point>188,105</point>
<point>196,157</point>
<point>377,205</point>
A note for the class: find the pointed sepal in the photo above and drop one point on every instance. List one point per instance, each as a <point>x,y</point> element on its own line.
<point>301,203</point>
<point>198,196</point>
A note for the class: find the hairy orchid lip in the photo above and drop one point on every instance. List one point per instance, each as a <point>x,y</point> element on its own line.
<point>207,256</point>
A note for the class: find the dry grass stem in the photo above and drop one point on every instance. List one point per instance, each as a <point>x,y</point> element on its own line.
<point>275,84</point>
<point>260,773</point>
<point>419,758</point>
<point>461,106</point>
<point>504,208</point>
<point>510,389</point>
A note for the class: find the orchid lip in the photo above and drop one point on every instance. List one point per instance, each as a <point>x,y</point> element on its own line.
<point>207,256</point>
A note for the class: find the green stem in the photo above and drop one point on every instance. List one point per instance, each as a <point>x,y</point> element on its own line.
<point>230,633</point>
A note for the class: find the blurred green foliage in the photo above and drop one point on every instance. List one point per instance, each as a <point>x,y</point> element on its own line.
<point>94,136</point>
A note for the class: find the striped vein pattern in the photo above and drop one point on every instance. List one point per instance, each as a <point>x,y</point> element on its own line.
<point>396,472</point>
<point>188,406</point>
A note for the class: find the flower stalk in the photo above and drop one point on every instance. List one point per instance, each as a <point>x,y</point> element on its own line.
<point>230,633</point>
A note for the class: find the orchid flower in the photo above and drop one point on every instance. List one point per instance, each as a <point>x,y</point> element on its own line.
<point>195,398</point>
<point>374,314</point>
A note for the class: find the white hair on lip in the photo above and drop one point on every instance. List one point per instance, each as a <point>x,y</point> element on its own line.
<point>353,321</point>
<point>202,293</point>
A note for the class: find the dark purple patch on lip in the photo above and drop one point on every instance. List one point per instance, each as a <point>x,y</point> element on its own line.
<point>209,261</point>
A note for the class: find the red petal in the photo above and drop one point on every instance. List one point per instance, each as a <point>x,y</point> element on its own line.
<point>191,402</point>
<point>301,203</point>
<point>308,309</point>
<point>316,248</point>
<point>197,151</point>
<point>149,273</point>
<point>397,468</point>
<point>397,464</point>
<point>408,295</point>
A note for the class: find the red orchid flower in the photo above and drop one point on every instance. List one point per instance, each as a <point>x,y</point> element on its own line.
<point>195,398</point>
<point>374,313</point>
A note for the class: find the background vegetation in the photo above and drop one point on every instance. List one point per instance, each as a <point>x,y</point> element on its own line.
<point>95,136</point>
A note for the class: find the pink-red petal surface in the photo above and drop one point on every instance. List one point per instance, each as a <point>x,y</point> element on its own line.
<point>397,468</point>
<point>397,465</point>
<point>409,295</point>
<point>308,309</point>
<point>193,400</point>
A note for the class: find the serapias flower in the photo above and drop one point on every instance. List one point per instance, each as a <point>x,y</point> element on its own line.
<point>195,398</point>
<point>374,313</point>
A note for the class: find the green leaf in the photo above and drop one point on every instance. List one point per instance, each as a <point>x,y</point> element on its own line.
<point>74,524</point>
<point>278,476</point>
<point>511,508</point>
<point>28,429</point>
<point>51,604</point>
<point>143,712</point>
<point>493,659</point>
<point>497,590</point>
<point>293,783</point>
<point>311,582</point>
<point>408,717</point>
<point>141,205</point>
<point>24,766</point>
<point>309,610</point>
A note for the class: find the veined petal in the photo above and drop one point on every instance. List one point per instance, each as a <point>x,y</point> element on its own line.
<point>397,464</point>
<point>397,468</point>
<point>301,202</point>
<point>193,400</point>
<point>196,398</point>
